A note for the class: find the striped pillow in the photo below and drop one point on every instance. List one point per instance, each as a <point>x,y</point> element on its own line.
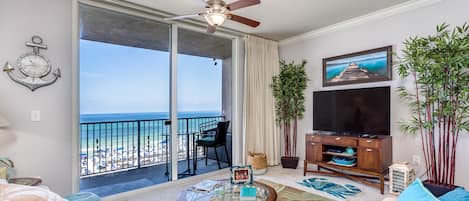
<point>3,173</point>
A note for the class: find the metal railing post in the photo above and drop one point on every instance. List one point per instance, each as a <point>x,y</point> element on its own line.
<point>188,147</point>
<point>138,143</point>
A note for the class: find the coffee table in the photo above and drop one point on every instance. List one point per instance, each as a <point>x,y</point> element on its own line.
<point>227,192</point>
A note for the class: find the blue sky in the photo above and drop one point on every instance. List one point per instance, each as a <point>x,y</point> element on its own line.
<point>121,79</point>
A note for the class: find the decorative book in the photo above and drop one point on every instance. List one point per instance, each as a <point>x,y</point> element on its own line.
<point>248,193</point>
<point>207,185</point>
<point>28,181</point>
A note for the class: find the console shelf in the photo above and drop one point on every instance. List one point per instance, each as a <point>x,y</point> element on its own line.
<point>342,165</point>
<point>373,157</point>
<point>340,154</point>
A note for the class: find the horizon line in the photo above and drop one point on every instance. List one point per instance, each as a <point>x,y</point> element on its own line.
<point>150,112</point>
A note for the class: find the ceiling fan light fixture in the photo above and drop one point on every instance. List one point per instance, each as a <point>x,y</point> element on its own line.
<point>217,12</point>
<point>215,19</point>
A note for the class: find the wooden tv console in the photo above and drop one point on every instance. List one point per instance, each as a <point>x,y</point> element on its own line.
<point>373,157</point>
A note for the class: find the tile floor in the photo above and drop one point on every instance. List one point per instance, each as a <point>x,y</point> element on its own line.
<point>114,183</point>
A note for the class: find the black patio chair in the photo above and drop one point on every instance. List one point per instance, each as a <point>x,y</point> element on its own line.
<point>215,137</point>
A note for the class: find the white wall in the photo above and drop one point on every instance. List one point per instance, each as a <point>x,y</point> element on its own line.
<point>392,30</point>
<point>38,148</point>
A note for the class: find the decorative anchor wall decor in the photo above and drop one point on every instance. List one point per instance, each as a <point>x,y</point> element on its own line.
<point>33,67</point>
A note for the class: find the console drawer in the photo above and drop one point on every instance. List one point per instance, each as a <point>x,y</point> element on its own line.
<point>369,143</point>
<point>339,141</point>
<point>313,138</point>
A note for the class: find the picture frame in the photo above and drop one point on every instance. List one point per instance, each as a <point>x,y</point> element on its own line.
<point>372,65</point>
<point>241,175</point>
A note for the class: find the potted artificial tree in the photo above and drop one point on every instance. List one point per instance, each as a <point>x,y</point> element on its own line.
<point>288,89</point>
<point>438,66</point>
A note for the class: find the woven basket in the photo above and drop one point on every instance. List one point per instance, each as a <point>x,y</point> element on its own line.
<point>258,161</point>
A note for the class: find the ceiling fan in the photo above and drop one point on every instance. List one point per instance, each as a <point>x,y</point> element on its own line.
<point>218,11</point>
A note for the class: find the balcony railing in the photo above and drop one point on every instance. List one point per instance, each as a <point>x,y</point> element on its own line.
<point>108,147</point>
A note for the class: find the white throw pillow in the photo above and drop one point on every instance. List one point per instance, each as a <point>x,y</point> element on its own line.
<point>390,199</point>
<point>13,192</point>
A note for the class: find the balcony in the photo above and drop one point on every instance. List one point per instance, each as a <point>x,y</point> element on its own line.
<point>120,156</point>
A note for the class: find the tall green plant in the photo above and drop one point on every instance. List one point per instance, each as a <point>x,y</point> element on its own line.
<point>439,99</point>
<point>288,89</point>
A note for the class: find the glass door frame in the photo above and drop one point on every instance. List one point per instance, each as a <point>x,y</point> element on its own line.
<point>173,100</point>
<point>133,9</point>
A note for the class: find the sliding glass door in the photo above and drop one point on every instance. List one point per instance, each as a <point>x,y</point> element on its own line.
<point>203,102</point>
<point>125,140</point>
<point>155,101</point>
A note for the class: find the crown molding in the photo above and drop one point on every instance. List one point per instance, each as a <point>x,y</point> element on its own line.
<point>379,14</point>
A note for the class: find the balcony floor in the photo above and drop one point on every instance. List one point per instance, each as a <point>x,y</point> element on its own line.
<point>114,183</point>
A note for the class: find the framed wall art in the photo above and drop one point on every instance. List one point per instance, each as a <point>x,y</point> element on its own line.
<point>360,67</point>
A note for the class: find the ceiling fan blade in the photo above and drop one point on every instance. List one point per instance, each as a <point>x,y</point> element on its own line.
<point>243,20</point>
<point>211,29</point>
<point>242,4</point>
<point>183,16</point>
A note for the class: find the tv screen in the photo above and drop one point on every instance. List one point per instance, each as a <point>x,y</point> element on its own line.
<point>353,111</point>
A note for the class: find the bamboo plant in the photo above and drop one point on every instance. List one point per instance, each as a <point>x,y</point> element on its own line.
<point>288,89</point>
<point>438,67</point>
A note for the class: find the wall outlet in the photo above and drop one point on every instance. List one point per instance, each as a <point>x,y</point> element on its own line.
<point>36,115</point>
<point>416,160</point>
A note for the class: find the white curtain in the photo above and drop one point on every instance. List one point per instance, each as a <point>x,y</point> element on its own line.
<point>261,64</point>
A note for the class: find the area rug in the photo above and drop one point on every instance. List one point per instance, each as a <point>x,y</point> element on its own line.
<point>286,193</point>
<point>337,190</point>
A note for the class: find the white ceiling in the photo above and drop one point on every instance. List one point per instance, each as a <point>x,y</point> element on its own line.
<point>281,19</point>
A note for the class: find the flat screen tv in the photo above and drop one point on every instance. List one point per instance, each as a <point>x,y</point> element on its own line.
<point>353,111</point>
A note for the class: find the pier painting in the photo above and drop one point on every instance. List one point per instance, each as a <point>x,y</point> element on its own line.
<point>366,66</point>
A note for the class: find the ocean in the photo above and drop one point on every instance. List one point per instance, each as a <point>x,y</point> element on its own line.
<point>96,118</point>
<point>374,65</point>
<point>121,130</point>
